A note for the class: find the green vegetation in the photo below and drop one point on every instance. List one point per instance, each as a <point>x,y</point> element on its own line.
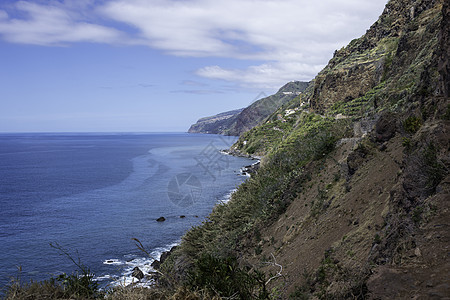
<point>292,134</point>
<point>77,285</point>
<point>224,277</point>
<point>434,168</point>
<point>359,107</point>
<point>406,142</point>
<point>446,115</point>
<point>317,284</point>
<point>412,124</point>
<point>218,258</point>
<point>257,203</point>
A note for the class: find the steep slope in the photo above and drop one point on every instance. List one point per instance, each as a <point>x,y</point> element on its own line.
<point>256,112</point>
<point>394,66</point>
<point>237,122</point>
<point>351,199</point>
<point>382,229</point>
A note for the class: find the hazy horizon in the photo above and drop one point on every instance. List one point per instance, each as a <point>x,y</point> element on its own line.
<point>159,66</point>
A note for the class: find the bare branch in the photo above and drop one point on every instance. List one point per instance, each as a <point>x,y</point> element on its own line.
<point>274,263</point>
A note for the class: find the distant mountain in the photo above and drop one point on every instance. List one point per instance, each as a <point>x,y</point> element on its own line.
<point>238,121</point>
<point>215,124</point>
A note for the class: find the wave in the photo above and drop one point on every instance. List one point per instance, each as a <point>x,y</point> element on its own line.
<point>131,261</point>
<point>227,197</point>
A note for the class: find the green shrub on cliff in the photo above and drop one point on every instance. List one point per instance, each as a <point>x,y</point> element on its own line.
<point>224,277</point>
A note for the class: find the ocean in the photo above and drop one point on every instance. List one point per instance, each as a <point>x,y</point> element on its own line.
<point>91,194</point>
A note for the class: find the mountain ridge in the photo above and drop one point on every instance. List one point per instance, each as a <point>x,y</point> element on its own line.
<point>239,121</point>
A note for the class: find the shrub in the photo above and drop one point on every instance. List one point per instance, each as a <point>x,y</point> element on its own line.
<point>406,142</point>
<point>434,168</point>
<point>64,286</point>
<point>446,115</point>
<point>224,277</point>
<point>412,124</point>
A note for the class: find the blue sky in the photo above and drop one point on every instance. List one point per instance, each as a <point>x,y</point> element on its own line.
<point>159,65</point>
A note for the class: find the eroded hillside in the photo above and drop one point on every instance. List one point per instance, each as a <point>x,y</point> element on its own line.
<point>351,199</point>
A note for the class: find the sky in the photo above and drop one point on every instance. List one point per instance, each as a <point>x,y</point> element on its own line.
<point>159,65</point>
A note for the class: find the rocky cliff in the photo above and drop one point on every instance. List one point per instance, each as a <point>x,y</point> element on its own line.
<point>351,197</point>
<point>238,121</point>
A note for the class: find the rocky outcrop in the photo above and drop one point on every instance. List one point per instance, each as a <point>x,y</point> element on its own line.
<point>388,54</point>
<point>444,51</point>
<point>157,263</point>
<point>137,273</point>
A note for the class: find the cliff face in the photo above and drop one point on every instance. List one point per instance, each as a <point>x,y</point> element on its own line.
<point>238,121</point>
<point>351,197</point>
<point>400,64</point>
<point>216,124</point>
<point>387,52</point>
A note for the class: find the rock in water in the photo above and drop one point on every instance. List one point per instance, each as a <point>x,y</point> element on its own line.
<point>157,263</point>
<point>161,219</point>
<point>137,273</point>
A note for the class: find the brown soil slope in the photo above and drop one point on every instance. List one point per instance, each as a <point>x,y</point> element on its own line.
<point>338,233</point>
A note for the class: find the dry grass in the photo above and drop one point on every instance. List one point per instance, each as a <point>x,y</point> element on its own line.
<point>135,293</point>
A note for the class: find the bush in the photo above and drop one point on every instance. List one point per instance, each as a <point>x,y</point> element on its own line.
<point>78,285</point>
<point>412,124</point>
<point>73,286</point>
<point>224,277</point>
<point>435,169</point>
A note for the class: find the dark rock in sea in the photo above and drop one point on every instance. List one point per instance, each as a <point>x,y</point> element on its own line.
<point>161,219</point>
<point>251,169</point>
<point>168,253</point>
<point>182,216</point>
<point>237,153</point>
<point>152,276</point>
<point>157,263</point>
<point>137,273</point>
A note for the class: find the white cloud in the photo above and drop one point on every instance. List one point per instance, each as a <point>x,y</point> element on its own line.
<point>263,76</point>
<point>287,39</point>
<point>53,24</point>
<point>295,38</point>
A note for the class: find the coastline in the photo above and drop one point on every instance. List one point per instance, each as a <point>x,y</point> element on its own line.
<point>149,266</point>
<point>135,192</point>
<point>247,171</point>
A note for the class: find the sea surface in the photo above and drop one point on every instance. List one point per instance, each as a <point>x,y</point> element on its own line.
<point>91,194</point>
